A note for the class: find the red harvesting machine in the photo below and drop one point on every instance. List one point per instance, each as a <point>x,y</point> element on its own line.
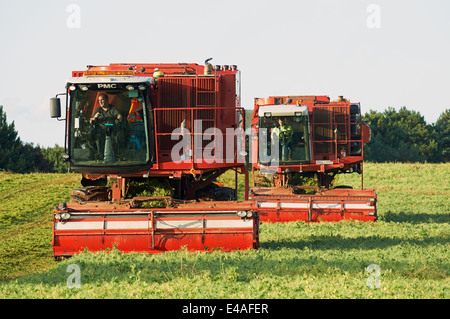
<point>300,139</point>
<point>128,125</point>
<point>134,128</point>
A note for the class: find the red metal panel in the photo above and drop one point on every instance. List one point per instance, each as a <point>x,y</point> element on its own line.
<point>188,99</point>
<point>191,227</point>
<point>333,205</point>
<point>70,244</point>
<point>292,216</point>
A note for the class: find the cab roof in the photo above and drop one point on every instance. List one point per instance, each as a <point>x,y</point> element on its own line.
<point>282,110</point>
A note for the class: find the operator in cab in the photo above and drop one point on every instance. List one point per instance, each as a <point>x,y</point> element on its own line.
<point>106,112</point>
<point>283,131</point>
<point>105,117</point>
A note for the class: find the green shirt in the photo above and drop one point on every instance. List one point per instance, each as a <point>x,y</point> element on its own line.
<point>107,116</point>
<point>287,131</point>
<point>284,133</point>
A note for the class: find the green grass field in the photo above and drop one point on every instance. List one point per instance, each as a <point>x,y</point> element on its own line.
<point>409,245</point>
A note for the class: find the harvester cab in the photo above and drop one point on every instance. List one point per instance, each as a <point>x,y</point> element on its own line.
<point>285,135</point>
<point>109,117</point>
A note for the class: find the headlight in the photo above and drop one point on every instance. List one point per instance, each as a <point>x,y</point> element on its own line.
<point>244,213</point>
<point>64,216</point>
<point>241,213</point>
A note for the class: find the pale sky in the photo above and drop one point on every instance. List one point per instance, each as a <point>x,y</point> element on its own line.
<point>395,53</point>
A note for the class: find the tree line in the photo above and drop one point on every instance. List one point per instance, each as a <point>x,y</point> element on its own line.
<point>396,136</point>
<point>404,136</point>
<point>20,157</point>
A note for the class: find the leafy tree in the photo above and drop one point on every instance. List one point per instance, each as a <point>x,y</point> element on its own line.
<point>9,142</point>
<point>399,136</point>
<point>17,156</point>
<point>54,156</point>
<point>442,129</point>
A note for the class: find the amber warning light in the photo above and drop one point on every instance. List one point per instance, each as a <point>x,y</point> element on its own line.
<point>107,73</point>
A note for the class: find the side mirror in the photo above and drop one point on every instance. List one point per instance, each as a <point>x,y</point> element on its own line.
<point>55,107</point>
